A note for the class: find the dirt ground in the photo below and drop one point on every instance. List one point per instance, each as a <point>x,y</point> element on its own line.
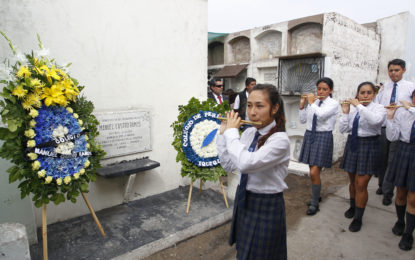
<point>213,244</point>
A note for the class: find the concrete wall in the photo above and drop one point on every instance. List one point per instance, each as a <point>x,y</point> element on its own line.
<point>409,51</point>
<point>305,38</point>
<point>129,55</point>
<point>394,32</point>
<point>352,57</point>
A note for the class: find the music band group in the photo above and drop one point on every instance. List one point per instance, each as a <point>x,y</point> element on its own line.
<point>380,142</point>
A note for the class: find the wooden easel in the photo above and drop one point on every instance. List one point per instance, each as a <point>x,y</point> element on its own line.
<point>190,194</point>
<point>44,226</point>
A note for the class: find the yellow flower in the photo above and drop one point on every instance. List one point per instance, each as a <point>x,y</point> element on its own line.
<point>86,138</point>
<point>87,163</point>
<point>80,122</point>
<point>35,82</point>
<point>67,180</point>
<point>54,96</point>
<point>82,171</point>
<point>88,145</point>
<point>32,100</point>
<point>35,165</point>
<point>19,91</point>
<point>52,74</point>
<point>32,123</point>
<point>59,181</point>
<point>31,143</point>
<point>71,91</point>
<point>75,115</point>
<point>32,156</point>
<point>30,133</point>
<point>41,174</point>
<point>33,113</point>
<point>48,179</point>
<point>63,74</point>
<point>76,176</point>
<point>23,72</point>
<point>70,110</point>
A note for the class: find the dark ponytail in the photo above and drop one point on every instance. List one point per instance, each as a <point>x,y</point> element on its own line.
<point>274,98</point>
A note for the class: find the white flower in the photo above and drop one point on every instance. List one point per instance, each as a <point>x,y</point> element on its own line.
<point>198,135</point>
<point>60,131</point>
<point>42,53</point>
<point>65,148</point>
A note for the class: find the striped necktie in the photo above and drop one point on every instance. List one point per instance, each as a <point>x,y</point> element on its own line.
<point>314,125</point>
<point>244,177</point>
<point>354,141</point>
<point>393,96</point>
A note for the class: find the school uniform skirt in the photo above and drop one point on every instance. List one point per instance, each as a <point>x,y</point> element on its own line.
<point>259,227</point>
<point>401,171</point>
<point>366,159</point>
<point>319,153</point>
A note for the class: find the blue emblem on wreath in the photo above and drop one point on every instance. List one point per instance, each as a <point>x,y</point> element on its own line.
<point>61,145</point>
<point>199,139</point>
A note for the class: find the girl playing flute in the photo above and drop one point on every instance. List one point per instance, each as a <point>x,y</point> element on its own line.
<point>317,149</point>
<point>261,154</point>
<point>361,157</point>
<point>401,126</point>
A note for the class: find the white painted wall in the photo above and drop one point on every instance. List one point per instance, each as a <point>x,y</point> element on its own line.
<point>393,31</point>
<point>352,57</point>
<point>149,55</point>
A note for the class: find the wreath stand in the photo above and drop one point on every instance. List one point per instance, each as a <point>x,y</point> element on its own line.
<point>201,182</point>
<point>44,226</point>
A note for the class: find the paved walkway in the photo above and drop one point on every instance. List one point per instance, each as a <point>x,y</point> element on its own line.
<point>326,235</point>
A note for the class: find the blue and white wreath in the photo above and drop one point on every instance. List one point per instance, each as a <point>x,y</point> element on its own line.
<point>199,139</point>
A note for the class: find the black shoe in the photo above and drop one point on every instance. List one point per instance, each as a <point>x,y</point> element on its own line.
<point>312,210</point>
<point>387,201</point>
<point>406,242</point>
<point>398,228</point>
<point>309,203</point>
<point>355,226</point>
<point>349,213</point>
<point>379,191</point>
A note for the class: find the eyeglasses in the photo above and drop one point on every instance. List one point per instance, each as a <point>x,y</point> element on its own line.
<point>219,86</point>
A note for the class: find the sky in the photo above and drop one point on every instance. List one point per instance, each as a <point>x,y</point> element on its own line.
<point>228,16</point>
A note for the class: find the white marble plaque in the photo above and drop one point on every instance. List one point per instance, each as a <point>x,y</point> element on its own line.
<point>124,132</point>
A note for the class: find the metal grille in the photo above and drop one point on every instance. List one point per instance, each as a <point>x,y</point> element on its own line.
<point>297,76</point>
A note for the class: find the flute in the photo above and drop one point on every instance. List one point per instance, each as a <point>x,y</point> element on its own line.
<point>305,96</point>
<point>361,102</point>
<point>243,121</point>
<point>393,106</point>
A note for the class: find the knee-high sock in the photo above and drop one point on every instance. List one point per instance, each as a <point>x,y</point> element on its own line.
<point>358,214</point>
<point>400,212</point>
<point>315,194</point>
<point>410,223</point>
<point>352,203</point>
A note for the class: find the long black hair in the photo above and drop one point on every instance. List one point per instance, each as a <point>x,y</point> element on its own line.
<point>274,98</point>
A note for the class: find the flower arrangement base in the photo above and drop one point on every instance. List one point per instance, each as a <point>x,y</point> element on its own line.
<point>201,182</point>
<point>44,225</point>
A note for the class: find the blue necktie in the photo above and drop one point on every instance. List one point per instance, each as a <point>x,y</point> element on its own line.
<point>244,177</point>
<point>412,140</point>
<point>314,126</point>
<point>354,140</point>
<point>393,96</point>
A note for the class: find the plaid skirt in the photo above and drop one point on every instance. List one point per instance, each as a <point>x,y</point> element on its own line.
<point>319,153</point>
<point>259,228</point>
<point>366,159</point>
<point>401,170</point>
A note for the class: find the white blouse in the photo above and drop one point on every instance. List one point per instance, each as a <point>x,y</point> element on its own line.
<point>326,114</point>
<point>266,167</point>
<point>399,128</point>
<point>403,92</point>
<point>371,119</point>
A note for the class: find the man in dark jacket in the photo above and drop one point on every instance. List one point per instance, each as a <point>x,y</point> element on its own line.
<point>216,88</point>
<point>242,98</point>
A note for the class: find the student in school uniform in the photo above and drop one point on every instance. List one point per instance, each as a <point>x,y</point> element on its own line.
<point>400,126</point>
<point>317,150</point>
<point>393,91</point>
<point>261,154</point>
<point>363,121</point>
